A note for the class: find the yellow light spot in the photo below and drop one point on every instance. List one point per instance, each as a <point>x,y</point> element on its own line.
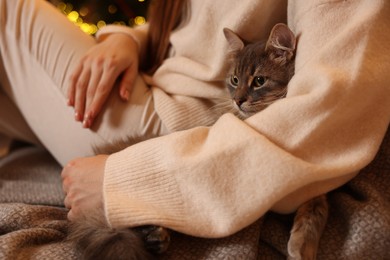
<point>84,11</point>
<point>112,9</point>
<point>141,0</point>
<point>79,21</point>
<point>89,28</point>
<point>73,16</point>
<point>94,29</point>
<point>119,23</point>
<point>68,8</point>
<point>139,20</point>
<point>101,24</point>
<point>61,6</point>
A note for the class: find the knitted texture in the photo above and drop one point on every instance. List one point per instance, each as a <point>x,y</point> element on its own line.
<point>358,225</point>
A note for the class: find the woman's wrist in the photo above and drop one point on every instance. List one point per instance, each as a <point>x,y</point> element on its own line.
<point>137,34</point>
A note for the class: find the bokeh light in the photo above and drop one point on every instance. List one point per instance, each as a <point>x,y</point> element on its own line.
<point>139,20</point>
<point>81,16</point>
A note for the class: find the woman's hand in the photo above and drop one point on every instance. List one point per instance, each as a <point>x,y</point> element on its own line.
<point>93,79</point>
<point>82,181</point>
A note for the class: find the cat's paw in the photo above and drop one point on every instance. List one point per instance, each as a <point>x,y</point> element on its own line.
<point>299,249</point>
<point>156,238</point>
<point>309,223</point>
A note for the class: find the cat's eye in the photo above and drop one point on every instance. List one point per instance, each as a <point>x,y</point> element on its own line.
<point>234,80</point>
<point>259,81</point>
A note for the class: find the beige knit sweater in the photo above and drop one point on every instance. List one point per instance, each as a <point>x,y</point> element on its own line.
<point>212,181</point>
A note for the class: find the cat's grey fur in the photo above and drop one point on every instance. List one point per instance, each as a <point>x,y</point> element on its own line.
<point>259,76</point>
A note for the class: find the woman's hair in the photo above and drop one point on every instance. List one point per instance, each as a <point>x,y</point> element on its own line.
<point>163,16</point>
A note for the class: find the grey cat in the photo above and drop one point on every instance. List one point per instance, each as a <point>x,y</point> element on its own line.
<point>258,76</point>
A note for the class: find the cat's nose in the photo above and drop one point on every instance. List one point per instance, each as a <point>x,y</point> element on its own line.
<point>239,101</point>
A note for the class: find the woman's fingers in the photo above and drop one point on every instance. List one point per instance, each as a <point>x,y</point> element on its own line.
<point>78,86</point>
<point>95,76</point>
<point>67,203</point>
<point>101,94</point>
<point>81,93</point>
<point>72,84</point>
<point>127,82</point>
<point>82,181</point>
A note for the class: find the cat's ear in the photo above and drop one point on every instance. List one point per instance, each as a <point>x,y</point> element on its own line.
<point>235,42</point>
<point>282,42</point>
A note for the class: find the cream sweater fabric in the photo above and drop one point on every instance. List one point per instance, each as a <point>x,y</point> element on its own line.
<point>218,177</point>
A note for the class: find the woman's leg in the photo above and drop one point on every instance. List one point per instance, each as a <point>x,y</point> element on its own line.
<point>39,49</point>
<point>12,123</point>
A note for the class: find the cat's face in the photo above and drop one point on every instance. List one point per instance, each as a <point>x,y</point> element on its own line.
<point>256,81</point>
<point>258,76</point>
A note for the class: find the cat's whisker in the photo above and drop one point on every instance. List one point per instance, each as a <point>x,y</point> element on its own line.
<point>221,98</point>
<point>222,107</point>
<point>268,100</point>
<point>223,103</point>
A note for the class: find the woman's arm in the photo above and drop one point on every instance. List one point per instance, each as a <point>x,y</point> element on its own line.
<point>139,34</point>
<point>214,181</point>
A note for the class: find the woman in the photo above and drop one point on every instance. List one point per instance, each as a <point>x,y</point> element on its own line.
<point>202,175</point>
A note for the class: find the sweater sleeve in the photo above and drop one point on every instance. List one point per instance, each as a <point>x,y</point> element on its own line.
<point>214,181</point>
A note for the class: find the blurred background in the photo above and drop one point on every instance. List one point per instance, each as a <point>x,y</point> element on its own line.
<point>90,15</point>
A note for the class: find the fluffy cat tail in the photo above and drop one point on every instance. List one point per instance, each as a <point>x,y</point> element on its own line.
<point>97,241</point>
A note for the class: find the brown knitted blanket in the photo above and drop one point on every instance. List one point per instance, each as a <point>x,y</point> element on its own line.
<point>33,221</point>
